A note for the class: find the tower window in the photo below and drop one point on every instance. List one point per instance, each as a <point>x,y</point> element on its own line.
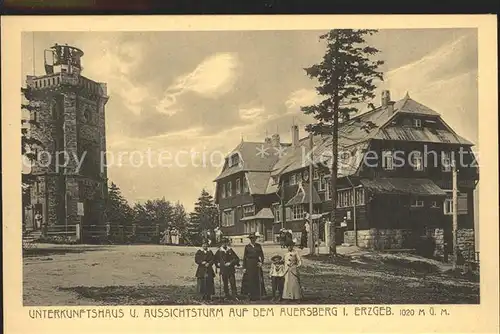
<point>86,116</point>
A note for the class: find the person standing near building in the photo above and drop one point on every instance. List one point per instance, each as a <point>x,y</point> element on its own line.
<point>253,277</point>
<point>218,235</point>
<point>292,289</point>
<point>204,258</point>
<point>38,220</point>
<point>226,260</point>
<point>303,237</point>
<point>282,237</point>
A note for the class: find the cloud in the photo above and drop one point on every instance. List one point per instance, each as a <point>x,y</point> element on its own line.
<point>114,66</point>
<point>302,97</point>
<point>251,113</point>
<point>212,78</point>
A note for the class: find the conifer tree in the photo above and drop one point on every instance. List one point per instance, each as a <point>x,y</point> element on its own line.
<point>346,77</point>
<point>205,217</point>
<point>118,211</point>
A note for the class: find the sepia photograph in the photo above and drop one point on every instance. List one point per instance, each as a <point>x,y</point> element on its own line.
<point>319,167</point>
<point>334,174</point>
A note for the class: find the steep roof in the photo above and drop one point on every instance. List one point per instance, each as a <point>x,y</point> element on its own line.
<point>257,182</point>
<point>408,105</point>
<point>403,186</point>
<point>264,213</point>
<point>303,196</point>
<point>254,156</point>
<point>354,138</point>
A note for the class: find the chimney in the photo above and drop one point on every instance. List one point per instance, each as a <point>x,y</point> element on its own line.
<point>386,98</point>
<point>275,140</point>
<point>295,135</point>
<point>390,106</point>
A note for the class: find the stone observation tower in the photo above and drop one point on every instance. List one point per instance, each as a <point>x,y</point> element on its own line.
<point>71,125</point>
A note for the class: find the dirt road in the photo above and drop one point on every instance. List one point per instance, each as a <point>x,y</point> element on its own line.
<point>164,275</point>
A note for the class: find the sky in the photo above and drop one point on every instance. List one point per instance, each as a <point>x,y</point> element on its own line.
<point>204,92</point>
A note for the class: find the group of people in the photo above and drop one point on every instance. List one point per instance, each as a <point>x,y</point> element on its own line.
<point>284,276</point>
<point>286,236</point>
<point>170,236</point>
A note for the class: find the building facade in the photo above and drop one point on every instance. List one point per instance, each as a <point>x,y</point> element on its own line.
<point>71,175</point>
<point>394,182</point>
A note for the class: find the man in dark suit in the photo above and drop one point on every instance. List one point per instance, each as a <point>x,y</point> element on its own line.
<point>226,260</point>
<point>253,278</point>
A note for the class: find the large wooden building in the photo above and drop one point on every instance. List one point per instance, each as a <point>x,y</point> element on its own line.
<point>394,186</point>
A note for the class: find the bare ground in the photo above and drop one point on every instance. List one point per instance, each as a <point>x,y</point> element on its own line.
<point>164,275</point>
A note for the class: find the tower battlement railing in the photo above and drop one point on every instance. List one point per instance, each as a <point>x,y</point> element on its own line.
<point>63,58</point>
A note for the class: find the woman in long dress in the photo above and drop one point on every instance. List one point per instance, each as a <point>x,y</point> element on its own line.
<point>292,289</point>
<point>252,284</point>
<point>205,274</point>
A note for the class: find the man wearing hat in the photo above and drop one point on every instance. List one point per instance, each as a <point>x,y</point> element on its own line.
<point>226,260</point>
<point>253,278</point>
<point>277,274</point>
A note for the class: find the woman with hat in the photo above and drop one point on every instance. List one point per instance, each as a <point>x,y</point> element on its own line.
<point>291,288</point>
<point>253,277</point>
<point>204,258</point>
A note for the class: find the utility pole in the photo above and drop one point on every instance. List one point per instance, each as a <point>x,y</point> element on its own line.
<point>282,202</point>
<point>455,215</point>
<point>310,235</point>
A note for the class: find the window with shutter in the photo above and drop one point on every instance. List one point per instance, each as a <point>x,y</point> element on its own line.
<point>238,186</point>
<point>387,160</point>
<point>277,212</point>
<point>417,162</point>
<point>322,183</point>
<point>462,204</point>
<point>245,185</point>
<point>446,161</point>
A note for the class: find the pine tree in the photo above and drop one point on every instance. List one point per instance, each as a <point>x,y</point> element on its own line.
<point>118,211</point>
<point>180,218</point>
<point>153,212</point>
<point>205,217</point>
<point>346,79</point>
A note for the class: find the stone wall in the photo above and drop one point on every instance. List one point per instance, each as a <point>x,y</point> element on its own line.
<point>466,243</point>
<point>405,239</point>
<point>437,234</point>
<point>380,238</point>
<point>54,191</point>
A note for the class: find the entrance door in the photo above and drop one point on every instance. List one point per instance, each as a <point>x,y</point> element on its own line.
<point>37,217</point>
<point>321,227</point>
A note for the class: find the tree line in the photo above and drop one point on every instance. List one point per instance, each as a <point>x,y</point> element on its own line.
<point>166,214</point>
